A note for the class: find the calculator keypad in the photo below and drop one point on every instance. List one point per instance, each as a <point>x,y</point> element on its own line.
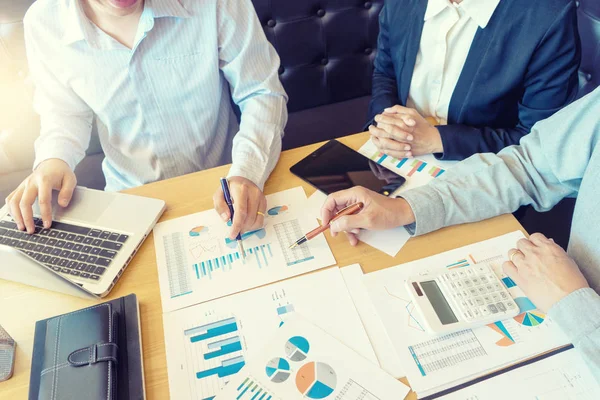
<point>476,292</point>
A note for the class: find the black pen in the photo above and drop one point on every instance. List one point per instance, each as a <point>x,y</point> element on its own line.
<point>227,195</point>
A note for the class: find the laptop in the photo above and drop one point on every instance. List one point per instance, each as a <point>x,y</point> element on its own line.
<point>88,247</point>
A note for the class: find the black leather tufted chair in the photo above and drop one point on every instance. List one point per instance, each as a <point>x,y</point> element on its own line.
<point>327,48</point>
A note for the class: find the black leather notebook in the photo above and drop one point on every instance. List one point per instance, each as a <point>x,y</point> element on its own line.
<point>92,353</point>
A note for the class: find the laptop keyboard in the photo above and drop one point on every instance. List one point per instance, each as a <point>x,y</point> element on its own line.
<point>72,250</point>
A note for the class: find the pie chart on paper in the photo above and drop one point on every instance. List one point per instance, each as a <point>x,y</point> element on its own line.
<point>297,348</point>
<point>277,210</point>
<point>316,380</point>
<point>278,370</point>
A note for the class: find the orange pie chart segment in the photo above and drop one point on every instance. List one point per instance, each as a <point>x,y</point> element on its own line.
<point>305,377</point>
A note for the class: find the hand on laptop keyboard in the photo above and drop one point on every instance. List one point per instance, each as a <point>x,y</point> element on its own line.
<point>72,250</point>
<point>49,175</point>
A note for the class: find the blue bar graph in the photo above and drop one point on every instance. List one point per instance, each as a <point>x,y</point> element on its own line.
<point>226,349</point>
<point>382,159</point>
<point>402,162</point>
<point>221,371</point>
<point>211,330</point>
<point>285,309</point>
<point>251,390</point>
<point>220,343</point>
<point>205,269</point>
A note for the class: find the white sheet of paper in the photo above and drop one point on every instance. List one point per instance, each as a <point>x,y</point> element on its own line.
<point>563,376</point>
<point>381,342</point>
<point>301,361</point>
<point>208,343</point>
<point>432,362</point>
<point>389,241</point>
<point>197,262</point>
<point>418,171</point>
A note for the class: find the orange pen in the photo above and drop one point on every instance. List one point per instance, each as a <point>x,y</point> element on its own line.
<point>353,209</point>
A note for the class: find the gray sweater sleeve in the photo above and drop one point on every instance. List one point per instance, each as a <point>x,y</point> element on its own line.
<point>547,166</point>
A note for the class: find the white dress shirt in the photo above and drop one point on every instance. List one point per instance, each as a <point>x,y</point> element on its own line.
<point>448,33</point>
<point>164,107</point>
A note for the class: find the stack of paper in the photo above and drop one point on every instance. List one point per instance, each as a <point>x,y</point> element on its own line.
<point>303,362</point>
<point>418,171</point>
<point>433,363</point>
<point>209,343</point>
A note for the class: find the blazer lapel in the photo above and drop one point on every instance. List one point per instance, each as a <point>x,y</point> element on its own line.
<point>475,65</point>
<point>413,41</point>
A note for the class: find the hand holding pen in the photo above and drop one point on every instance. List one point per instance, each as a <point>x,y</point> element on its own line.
<point>350,210</point>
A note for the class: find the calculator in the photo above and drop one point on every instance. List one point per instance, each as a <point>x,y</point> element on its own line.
<point>461,298</point>
<point>7,355</point>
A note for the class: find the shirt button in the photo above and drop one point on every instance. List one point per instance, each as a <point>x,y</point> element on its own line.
<point>281,70</point>
<point>588,77</point>
<point>367,4</point>
<point>271,23</point>
<point>368,50</point>
<point>320,13</point>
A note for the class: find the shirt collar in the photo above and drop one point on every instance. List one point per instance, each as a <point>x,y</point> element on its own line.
<point>75,19</point>
<point>480,11</point>
<point>167,8</point>
<point>78,27</point>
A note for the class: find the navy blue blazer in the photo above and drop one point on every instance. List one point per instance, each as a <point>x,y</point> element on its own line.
<point>520,69</point>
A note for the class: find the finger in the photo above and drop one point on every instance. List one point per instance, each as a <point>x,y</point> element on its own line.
<point>253,207</point>
<point>525,246</point>
<point>386,145</point>
<point>516,257</point>
<point>260,219</point>
<point>398,109</point>
<point>45,202</point>
<point>512,271</point>
<point>347,223</point>
<point>388,131</point>
<point>240,207</point>
<point>336,201</point>
<point>220,205</point>
<point>13,207</point>
<point>66,190</point>
<point>352,238</point>
<point>539,239</point>
<point>26,207</point>
<point>396,124</point>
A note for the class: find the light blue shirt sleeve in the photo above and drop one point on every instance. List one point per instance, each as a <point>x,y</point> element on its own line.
<point>250,65</point>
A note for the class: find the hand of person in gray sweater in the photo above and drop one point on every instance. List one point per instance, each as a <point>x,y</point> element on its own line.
<point>559,158</point>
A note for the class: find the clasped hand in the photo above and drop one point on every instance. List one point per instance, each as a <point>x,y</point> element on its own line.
<point>402,132</point>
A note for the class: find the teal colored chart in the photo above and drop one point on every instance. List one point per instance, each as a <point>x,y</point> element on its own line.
<point>278,370</point>
<point>297,348</point>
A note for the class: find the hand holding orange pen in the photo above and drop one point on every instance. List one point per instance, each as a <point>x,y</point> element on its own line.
<point>352,209</point>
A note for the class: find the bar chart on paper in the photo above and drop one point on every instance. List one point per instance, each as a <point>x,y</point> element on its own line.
<point>215,353</point>
<point>197,260</point>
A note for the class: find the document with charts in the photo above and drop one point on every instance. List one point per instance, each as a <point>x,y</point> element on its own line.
<point>197,261</point>
<point>207,344</point>
<point>418,171</point>
<point>434,362</point>
<point>563,376</point>
<point>301,361</point>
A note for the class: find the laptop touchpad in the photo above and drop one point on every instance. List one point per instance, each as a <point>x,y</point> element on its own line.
<point>85,205</point>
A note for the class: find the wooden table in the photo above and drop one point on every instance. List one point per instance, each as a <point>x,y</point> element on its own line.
<point>21,306</point>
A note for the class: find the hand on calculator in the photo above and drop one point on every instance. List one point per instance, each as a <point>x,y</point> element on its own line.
<point>544,271</point>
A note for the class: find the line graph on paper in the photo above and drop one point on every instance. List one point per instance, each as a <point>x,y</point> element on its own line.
<point>412,317</point>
